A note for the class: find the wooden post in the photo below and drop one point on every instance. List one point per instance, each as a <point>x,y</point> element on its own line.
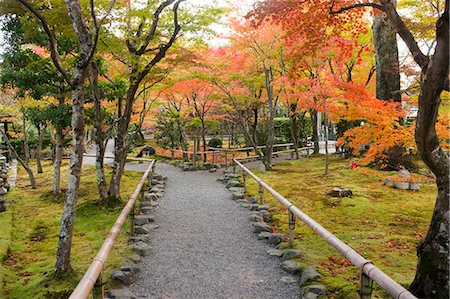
<point>365,286</point>
<point>244,178</point>
<point>226,160</point>
<point>291,229</point>
<point>98,292</point>
<point>234,164</point>
<point>261,194</point>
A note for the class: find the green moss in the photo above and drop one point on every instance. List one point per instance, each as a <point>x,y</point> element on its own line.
<point>28,271</point>
<point>381,223</point>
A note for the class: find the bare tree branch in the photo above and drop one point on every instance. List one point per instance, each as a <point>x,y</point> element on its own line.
<point>358,5</point>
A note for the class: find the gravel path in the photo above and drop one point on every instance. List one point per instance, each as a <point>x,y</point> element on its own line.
<point>205,247</point>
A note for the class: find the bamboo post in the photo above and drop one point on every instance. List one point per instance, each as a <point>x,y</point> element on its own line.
<point>98,292</point>
<point>226,160</point>
<point>291,229</point>
<point>365,286</point>
<point>261,193</point>
<point>244,179</point>
<point>234,164</point>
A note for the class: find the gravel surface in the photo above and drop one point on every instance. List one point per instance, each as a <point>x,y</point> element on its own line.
<point>205,246</point>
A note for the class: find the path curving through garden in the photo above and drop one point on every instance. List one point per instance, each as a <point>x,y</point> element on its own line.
<point>205,246</point>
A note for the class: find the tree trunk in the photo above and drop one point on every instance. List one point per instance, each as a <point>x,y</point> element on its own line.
<point>315,131</point>
<point>26,148</point>
<point>39,148</point>
<point>386,59</point>
<point>432,273</point>
<point>204,140</point>
<point>327,155</point>
<point>293,115</point>
<point>56,187</point>
<point>183,143</point>
<point>271,132</point>
<point>99,136</point>
<point>62,264</point>
<point>21,161</point>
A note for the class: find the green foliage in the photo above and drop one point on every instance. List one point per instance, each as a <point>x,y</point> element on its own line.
<point>167,133</point>
<point>215,142</point>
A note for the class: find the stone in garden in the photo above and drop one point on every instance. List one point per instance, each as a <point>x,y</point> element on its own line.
<point>138,238</point>
<point>142,249</point>
<point>156,190</point>
<point>237,195</point>
<point>340,192</point>
<point>263,207</point>
<point>150,196</point>
<point>245,205</point>
<point>401,185</point>
<point>151,226</point>
<point>289,279</point>
<point>154,182</point>
<point>130,266</point>
<point>282,246</point>
<point>213,170</point>
<point>291,254</point>
<point>274,252</point>
<point>312,292</point>
<point>122,293</point>
<point>140,230</point>
<point>264,235</point>
<point>309,274</point>
<point>254,207</point>
<point>261,227</point>
<point>146,204</point>
<point>136,258</point>
<point>233,183</point>
<point>7,186</point>
<point>237,189</point>
<point>265,215</point>
<point>404,173</point>
<point>140,220</point>
<point>389,182</point>
<point>415,186</point>
<point>122,276</point>
<point>276,239</point>
<point>255,218</point>
<point>147,210</point>
<point>3,191</point>
<point>252,199</point>
<point>291,267</point>
<point>230,176</point>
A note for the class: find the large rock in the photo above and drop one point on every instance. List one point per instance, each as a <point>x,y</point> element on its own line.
<point>312,292</point>
<point>261,227</point>
<point>291,254</point>
<point>139,238</point>
<point>130,266</point>
<point>122,293</point>
<point>276,239</point>
<point>3,191</point>
<point>291,267</point>
<point>230,176</point>
<point>237,189</point>
<point>122,276</point>
<point>263,208</point>
<point>142,249</point>
<point>265,215</point>
<point>309,274</point>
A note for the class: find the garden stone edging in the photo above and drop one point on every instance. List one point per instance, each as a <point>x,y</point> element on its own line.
<point>144,224</point>
<point>259,217</point>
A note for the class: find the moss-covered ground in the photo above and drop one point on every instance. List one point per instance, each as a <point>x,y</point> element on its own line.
<point>27,270</point>
<point>381,223</point>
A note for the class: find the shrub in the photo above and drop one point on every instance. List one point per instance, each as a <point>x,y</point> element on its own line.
<point>215,142</point>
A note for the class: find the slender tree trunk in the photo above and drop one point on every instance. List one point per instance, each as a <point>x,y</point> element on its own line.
<point>183,142</point>
<point>293,115</point>
<point>204,140</point>
<point>315,130</point>
<point>21,161</point>
<point>26,148</point>
<point>121,142</point>
<point>62,264</point>
<point>99,136</point>
<point>39,148</point>
<point>271,132</point>
<point>56,187</point>
<point>327,155</point>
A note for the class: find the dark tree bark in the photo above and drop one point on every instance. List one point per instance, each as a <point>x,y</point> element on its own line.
<point>271,102</point>
<point>432,272</point>
<point>39,148</point>
<point>315,130</point>
<point>293,115</point>
<point>26,148</point>
<point>386,59</point>
<point>59,148</point>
